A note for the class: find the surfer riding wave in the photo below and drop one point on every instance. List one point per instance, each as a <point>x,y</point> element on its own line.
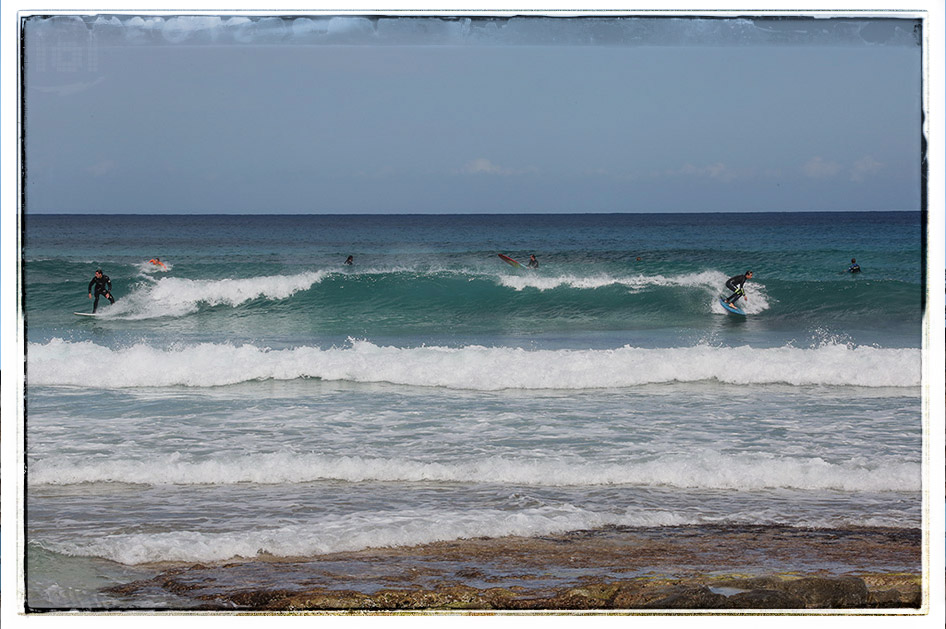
<point>735,284</point>
<point>103,286</point>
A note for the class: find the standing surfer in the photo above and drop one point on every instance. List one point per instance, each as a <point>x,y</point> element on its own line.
<point>735,284</point>
<point>533,263</point>
<point>103,286</point>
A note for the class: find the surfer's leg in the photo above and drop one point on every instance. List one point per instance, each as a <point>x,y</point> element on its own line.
<point>95,304</point>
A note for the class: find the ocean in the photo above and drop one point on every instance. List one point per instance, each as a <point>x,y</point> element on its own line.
<point>259,398</point>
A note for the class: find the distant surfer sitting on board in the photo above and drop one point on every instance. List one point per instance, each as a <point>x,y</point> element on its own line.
<point>103,286</point>
<point>855,267</point>
<point>533,263</point>
<point>350,261</point>
<point>735,284</point>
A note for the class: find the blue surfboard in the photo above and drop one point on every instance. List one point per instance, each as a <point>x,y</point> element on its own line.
<point>732,309</point>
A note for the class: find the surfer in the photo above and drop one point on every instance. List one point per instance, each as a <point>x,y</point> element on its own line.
<point>855,267</point>
<point>350,261</point>
<point>735,284</point>
<point>103,286</point>
<point>533,263</point>
<point>157,262</point>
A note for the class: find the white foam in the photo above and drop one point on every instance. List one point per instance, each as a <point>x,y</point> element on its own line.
<point>696,470</point>
<point>712,282</point>
<point>354,532</point>
<point>63,363</point>
<point>381,529</point>
<point>520,282</point>
<point>174,296</point>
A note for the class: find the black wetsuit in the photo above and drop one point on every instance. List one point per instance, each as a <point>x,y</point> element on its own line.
<point>103,286</point>
<point>735,284</point>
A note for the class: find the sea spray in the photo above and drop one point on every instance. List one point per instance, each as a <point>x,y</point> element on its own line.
<point>175,297</point>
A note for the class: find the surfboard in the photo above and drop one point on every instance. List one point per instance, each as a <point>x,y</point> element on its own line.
<point>509,260</point>
<point>86,314</point>
<point>732,309</point>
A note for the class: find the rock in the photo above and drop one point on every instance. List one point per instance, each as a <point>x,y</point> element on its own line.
<point>689,597</point>
<point>660,595</point>
<point>820,592</point>
<point>596,596</point>
<point>765,599</point>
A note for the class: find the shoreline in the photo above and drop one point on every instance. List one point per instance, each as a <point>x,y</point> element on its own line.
<point>697,567</point>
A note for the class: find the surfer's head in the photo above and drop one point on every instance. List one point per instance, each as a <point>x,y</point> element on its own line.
<point>98,271</point>
<point>748,274</point>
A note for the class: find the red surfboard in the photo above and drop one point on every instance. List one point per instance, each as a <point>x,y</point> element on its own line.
<point>509,260</point>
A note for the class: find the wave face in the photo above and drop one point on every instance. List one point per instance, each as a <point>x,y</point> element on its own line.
<point>477,368</point>
<point>438,280</point>
<point>462,305</point>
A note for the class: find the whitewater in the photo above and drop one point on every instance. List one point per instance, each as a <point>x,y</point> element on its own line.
<point>65,363</point>
<point>260,398</point>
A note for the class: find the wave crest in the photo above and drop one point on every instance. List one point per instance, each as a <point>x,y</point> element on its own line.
<point>175,296</point>
<point>64,363</point>
<point>699,470</point>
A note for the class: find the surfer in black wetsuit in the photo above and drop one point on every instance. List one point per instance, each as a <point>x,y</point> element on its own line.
<point>855,267</point>
<point>103,286</point>
<point>735,284</point>
<point>533,263</point>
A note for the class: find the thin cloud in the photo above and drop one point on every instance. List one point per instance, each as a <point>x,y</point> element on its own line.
<point>820,168</point>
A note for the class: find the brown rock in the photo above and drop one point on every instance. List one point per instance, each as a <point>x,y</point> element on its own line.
<point>689,597</point>
<point>820,592</point>
<point>765,599</point>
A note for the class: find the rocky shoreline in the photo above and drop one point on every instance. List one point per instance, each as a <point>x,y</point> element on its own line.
<point>617,569</point>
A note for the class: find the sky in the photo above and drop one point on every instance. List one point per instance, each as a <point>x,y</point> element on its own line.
<point>346,114</point>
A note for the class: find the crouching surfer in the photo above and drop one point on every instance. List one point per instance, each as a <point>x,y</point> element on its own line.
<point>103,286</point>
<point>735,284</point>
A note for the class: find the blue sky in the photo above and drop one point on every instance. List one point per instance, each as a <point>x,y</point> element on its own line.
<point>236,114</point>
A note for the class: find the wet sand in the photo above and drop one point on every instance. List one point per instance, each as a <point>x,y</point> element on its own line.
<point>686,567</point>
